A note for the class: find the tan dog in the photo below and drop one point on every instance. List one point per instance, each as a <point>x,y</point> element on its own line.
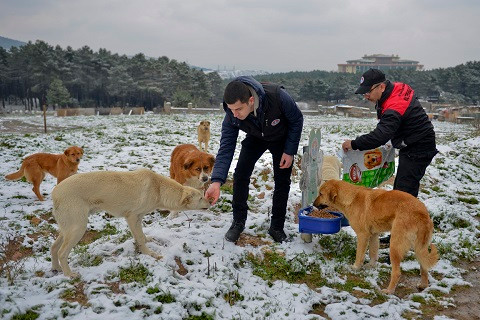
<point>203,131</point>
<point>61,166</point>
<point>372,159</point>
<point>122,194</point>
<point>373,211</point>
<point>331,170</point>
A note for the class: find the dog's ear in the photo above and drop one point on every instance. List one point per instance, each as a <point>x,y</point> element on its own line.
<point>333,191</point>
<point>207,123</point>
<point>187,198</point>
<point>211,160</point>
<point>81,150</point>
<point>188,164</point>
<point>66,151</point>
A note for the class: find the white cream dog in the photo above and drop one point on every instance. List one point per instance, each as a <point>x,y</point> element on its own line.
<point>122,194</point>
<point>331,170</point>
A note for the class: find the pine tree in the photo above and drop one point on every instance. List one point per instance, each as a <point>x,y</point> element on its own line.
<point>57,94</point>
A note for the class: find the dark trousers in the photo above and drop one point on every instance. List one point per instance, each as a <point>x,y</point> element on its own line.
<point>252,149</point>
<point>411,169</point>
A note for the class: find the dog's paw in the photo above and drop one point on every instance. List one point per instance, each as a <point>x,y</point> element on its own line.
<point>371,265</point>
<point>387,291</point>
<point>173,215</point>
<point>156,255</point>
<point>421,286</point>
<point>356,267</point>
<point>306,237</point>
<point>72,275</point>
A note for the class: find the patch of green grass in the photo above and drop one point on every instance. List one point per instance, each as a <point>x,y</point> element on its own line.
<point>29,315</point>
<point>436,188</point>
<point>471,200</point>
<point>340,246</point>
<point>20,197</point>
<point>233,296</point>
<point>274,266</point>
<point>203,316</point>
<point>425,191</point>
<point>165,297</point>
<point>6,145</point>
<point>227,188</point>
<point>109,230</point>
<point>223,205</point>
<point>419,299</point>
<point>134,273</point>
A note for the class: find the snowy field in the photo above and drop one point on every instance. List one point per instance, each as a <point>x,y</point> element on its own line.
<point>201,276</point>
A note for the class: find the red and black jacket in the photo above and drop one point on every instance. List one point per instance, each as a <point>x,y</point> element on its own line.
<point>402,120</point>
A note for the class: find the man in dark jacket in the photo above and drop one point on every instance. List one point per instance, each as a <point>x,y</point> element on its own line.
<point>404,122</point>
<point>273,122</point>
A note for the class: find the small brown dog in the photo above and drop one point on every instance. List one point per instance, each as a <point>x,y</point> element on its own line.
<point>373,211</point>
<point>372,159</point>
<point>190,166</point>
<point>203,131</point>
<point>61,166</point>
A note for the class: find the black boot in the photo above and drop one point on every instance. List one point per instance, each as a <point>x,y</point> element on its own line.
<point>277,234</point>
<point>235,230</point>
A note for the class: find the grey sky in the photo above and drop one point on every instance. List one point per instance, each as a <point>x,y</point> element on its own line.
<point>271,35</point>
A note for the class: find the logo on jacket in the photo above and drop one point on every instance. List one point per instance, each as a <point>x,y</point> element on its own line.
<point>361,80</point>
<point>275,122</point>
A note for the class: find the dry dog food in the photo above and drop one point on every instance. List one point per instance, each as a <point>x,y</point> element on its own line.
<point>321,213</point>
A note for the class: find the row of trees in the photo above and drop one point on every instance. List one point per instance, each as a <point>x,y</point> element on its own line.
<point>66,77</point>
<point>460,84</point>
<point>39,72</point>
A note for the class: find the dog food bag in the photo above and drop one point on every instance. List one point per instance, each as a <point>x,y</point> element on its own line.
<point>368,168</point>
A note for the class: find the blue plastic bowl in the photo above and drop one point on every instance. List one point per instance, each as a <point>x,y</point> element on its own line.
<point>307,224</point>
<point>344,222</point>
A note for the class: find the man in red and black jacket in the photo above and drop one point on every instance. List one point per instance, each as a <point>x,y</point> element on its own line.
<point>404,122</point>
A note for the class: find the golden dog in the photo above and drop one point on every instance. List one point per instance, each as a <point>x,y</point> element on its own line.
<point>203,131</point>
<point>331,170</point>
<point>122,194</point>
<point>373,211</point>
<point>372,159</point>
<point>190,167</point>
<point>61,166</point>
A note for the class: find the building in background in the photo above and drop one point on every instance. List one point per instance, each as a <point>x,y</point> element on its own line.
<point>378,61</point>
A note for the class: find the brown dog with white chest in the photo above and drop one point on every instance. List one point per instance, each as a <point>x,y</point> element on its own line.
<point>35,166</point>
<point>373,211</point>
<point>203,131</point>
<point>190,166</point>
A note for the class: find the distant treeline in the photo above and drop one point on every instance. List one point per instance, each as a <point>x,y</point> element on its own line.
<point>39,73</point>
<point>460,84</point>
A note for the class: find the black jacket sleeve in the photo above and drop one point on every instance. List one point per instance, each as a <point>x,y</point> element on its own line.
<point>385,130</point>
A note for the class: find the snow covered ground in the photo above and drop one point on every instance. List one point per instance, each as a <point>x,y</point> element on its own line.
<point>201,276</point>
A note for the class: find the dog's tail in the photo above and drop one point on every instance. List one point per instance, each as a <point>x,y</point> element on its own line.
<point>16,175</point>
<point>425,251</point>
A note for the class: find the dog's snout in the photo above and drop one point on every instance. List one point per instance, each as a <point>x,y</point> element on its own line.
<point>321,206</point>
<point>205,178</point>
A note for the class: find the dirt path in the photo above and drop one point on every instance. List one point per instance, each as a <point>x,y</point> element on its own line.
<point>467,299</point>
<point>17,126</point>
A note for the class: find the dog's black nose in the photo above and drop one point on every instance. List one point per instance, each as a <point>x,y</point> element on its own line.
<point>322,206</point>
<point>204,179</point>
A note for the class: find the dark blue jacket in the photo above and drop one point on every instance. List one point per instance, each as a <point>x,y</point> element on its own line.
<point>231,125</point>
